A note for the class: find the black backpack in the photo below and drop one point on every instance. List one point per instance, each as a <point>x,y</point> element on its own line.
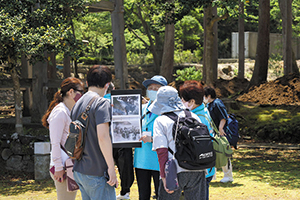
<point>194,146</point>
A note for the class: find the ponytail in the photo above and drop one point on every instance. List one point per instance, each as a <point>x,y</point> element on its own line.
<point>56,100</point>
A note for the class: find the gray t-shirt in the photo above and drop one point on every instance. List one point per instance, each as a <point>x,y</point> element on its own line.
<point>92,161</point>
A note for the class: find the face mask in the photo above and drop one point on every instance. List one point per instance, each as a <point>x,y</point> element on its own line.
<point>205,100</point>
<point>151,94</point>
<point>186,105</point>
<point>77,97</point>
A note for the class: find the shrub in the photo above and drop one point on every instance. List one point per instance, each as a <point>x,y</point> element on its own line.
<point>190,73</point>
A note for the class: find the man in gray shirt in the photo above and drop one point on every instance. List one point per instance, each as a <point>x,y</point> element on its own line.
<point>95,172</point>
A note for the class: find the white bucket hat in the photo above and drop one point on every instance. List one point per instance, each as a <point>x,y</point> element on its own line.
<point>167,100</point>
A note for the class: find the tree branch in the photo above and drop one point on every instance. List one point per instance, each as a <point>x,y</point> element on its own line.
<point>136,35</point>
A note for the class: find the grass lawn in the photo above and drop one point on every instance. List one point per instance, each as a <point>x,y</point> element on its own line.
<point>258,174</point>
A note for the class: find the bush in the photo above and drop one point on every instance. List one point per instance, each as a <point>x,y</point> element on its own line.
<point>90,60</point>
<point>190,73</point>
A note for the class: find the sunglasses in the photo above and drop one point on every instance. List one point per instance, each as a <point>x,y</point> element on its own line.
<point>81,91</point>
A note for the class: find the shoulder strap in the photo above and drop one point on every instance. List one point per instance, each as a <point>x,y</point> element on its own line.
<point>212,124</point>
<point>85,113</point>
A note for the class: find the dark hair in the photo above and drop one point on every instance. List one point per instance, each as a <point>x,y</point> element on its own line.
<point>192,90</point>
<point>65,86</point>
<point>98,76</point>
<point>210,91</point>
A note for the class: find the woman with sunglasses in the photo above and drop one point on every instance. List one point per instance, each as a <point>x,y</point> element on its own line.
<point>57,120</point>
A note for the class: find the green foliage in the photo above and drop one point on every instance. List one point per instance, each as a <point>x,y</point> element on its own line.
<point>268,124</point>
<point>139,58</point>
<point>187,56</point>
<point>190,73</point>
<point>31,28</point>
<point>96,29</point>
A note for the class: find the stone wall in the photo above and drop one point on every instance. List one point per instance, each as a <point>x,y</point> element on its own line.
<point>17,151</point>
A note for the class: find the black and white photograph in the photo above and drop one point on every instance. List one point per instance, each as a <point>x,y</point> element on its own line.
<point>126,131</point>
<point>126,105</point>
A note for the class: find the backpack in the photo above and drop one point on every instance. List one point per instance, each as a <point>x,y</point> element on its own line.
<point>77,133</point>
<point>223,150</point>
<point>193,143</point>
<point>221,146</point>
<point>232,130</point>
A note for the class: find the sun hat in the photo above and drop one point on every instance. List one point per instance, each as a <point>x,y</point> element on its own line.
<point>155,79</point>
<point>167,100</point>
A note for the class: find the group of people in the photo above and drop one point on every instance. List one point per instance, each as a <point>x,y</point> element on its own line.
<point>148,161</point>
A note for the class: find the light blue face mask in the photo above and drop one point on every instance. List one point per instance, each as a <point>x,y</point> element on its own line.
<point>151,94</point>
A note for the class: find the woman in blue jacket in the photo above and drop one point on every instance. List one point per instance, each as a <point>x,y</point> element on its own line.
<point>192,93</point>
<point>145,160</point>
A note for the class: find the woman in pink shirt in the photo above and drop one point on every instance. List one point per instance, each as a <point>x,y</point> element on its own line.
<point>57,120</point>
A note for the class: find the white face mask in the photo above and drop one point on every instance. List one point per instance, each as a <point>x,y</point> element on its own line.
<point>186,105</point>
<point>151,94</point>
<point>205,100</point>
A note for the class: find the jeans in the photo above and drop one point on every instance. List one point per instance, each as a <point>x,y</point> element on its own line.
<point>94,187</point>
<point>208,180</point>
<point>193,185</point>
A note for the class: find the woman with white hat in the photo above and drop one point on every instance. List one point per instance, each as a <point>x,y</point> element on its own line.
<point>192,182</point>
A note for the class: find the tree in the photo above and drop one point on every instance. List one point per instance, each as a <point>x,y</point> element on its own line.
<point>31,28</point>
<point>209,21</point>
<point>290,64</point>
<point>263,41</point>
<point>241,72</point>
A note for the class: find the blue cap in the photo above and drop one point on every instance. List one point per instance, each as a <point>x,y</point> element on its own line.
<point>156,80</point>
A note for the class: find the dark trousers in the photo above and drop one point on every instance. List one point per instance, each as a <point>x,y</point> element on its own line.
<point>143,177</point>
<point>124,161</point>
<point>193,185</point>
<point>208,180</point>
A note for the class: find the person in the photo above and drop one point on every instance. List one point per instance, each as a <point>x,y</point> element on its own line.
<point>95,172</point>
<point>192,93</point>
<point>145,160</point>
<point>192,182</point>
<point>219,115</point>
<point>57,120</point>
<point>124,160</point>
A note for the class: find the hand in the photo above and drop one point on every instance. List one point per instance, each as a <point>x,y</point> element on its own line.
<point>113,181</point>
<point>222,132</point>
<point>59,175</point>
<point>146,138</point>
<point>165,186</point>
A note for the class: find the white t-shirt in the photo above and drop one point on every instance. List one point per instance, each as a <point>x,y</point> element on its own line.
<point>163,137</point>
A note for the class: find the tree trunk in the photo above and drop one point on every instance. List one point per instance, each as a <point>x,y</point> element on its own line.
<point>241,71</point>
<point>51,66</point>
<point>263,41</point>
<point>210,20</point>
<point>209,42</point>
<point>39,91</point>
<point>215,54</point>
<point>295,67</point>
<point>17,96</point>
<point>166,69</point>
<point>67,66</point>
<point>121,70</point>
<point>286,15</point>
